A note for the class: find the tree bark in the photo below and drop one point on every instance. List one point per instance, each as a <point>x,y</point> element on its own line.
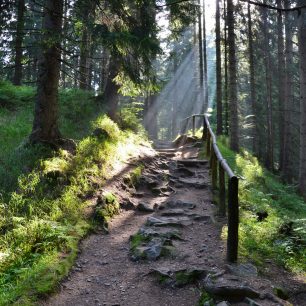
<point>255,132</point>
<point>302,53</point>
<point>110,95</point>
<point>205,59</point>
<point>87,15</point>
<point>289,100</point>
<point>200,45</point>
<point>226,119</point>
<point>218,72</point>
<point>267,60</point>
<point>18,42</point>
<point>45,125</point>
<point>281,82</point>
<point>233,106</point>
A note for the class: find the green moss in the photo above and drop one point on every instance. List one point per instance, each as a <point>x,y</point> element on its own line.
<point>107,209</point>
<point>135,174</point>
<point>138,240</point>
<point>205,298</point>
<point>133,177</point>
<point>187,277</point>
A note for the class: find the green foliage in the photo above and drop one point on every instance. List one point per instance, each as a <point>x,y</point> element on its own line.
<point>42,211</point>
<point>128,120</point>
<point>107,125</point>
<point>282,234</point>
<point>16,157</point>
<point>11,98</point>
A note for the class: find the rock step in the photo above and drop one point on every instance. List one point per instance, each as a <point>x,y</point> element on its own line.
<point>165,150</point>
<point>192,162</point>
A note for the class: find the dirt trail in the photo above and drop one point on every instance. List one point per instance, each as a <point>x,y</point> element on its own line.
<point>174,213</point>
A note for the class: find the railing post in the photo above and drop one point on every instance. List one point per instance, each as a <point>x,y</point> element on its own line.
<point>193,125</point>
<point>208,144</point>
<point>221,191</point>
<point>233,220</point>
<point>205,130</point>
<point>214,168</point>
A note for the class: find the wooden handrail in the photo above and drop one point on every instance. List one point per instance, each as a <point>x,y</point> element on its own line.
<point>219,167</point>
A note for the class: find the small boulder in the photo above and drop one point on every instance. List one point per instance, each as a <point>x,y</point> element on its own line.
<point>228,289</point>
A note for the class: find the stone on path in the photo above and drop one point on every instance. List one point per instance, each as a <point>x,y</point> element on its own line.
<point>160,232</point>
<point>244,270</point>
<point>229,289</point>
<point>150,248</point>
<point>179,277</point>
<point>169,221</point>
<point>144,207</point>
<point>177,204</point>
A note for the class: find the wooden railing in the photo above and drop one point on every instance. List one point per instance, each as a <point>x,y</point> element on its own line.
<point>220,169</point>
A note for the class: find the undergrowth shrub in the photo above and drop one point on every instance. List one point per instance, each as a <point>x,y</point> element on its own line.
<point>262,194</point>
<point>41,217</point>
<point>43,194</point>
<point>129,119</point>
<point>12,97</point>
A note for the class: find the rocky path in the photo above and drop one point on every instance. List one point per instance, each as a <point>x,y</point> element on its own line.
<point>165,246</point>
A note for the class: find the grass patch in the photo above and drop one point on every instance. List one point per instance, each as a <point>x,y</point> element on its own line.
<point>77,108</point>
<point>44,192</point>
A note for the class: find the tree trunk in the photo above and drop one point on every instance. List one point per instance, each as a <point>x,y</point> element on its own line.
<point>205,60</point>
<point>110,95</point>
<point>18,42</point>
<point>267,60</point>
<point>226,123</point>
<point>150,115</point>
<point>255,132</point>
<point>84,55</point>
<point>200,44</point>
<point>45,125</point>
<point>302,53</point>
<point>218,72</point>
<point>233,106</point>
<point>281,82</point>
<point>86,42</point>
<point>65,29</point>
<point>289,99</point>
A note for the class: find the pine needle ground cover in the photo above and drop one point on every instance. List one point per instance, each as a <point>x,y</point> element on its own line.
<point>43,192</point>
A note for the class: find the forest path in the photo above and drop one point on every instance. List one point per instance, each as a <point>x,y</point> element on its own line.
<point>173,216</point>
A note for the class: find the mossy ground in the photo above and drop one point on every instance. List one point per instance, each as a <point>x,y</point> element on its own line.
<point>42,191</point>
